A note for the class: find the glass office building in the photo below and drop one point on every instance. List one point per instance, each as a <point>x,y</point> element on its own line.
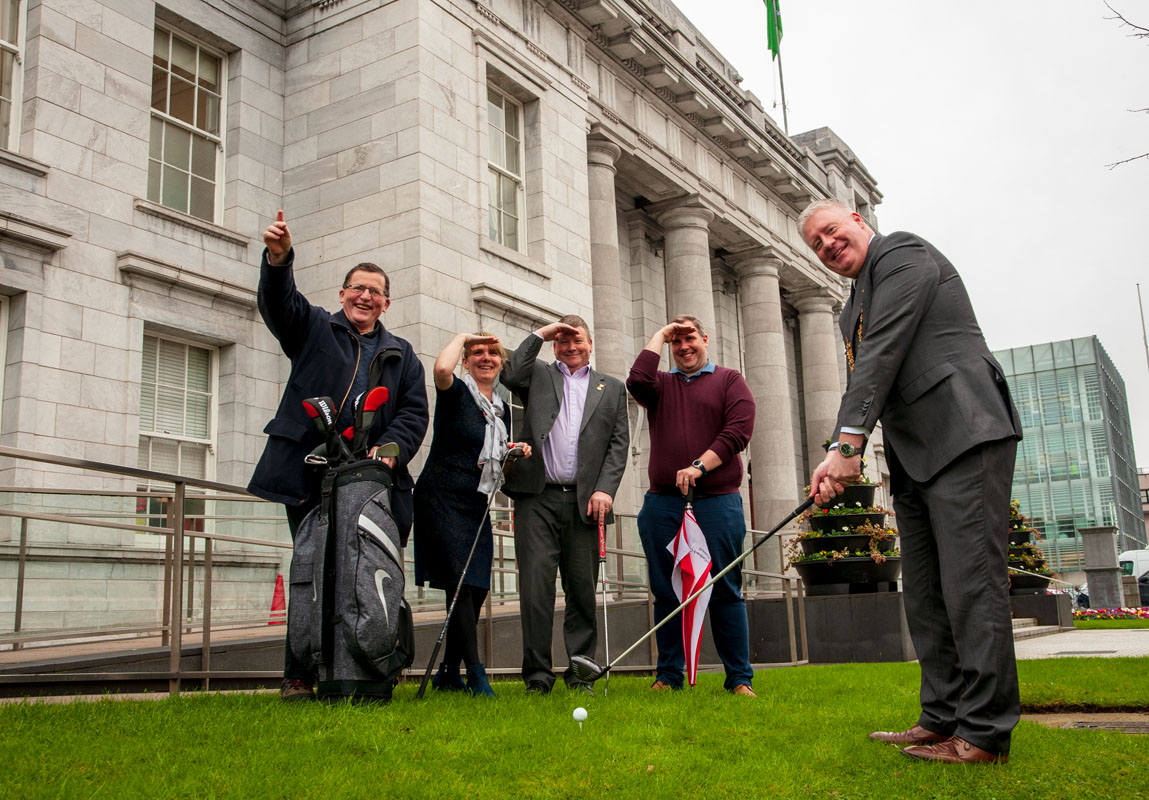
<point>1075,467</point>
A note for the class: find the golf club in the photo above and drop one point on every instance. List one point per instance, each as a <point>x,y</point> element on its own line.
<point>365,408</point>
<point>322,412</point>
<point>585,669</point>
<point>514,452</point>
<point>602,574</point>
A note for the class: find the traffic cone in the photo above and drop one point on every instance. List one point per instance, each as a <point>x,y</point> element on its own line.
<point>278,604</point>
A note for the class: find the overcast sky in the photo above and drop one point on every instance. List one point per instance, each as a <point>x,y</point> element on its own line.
<point>988,126</point>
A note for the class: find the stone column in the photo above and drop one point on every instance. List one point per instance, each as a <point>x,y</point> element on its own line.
<point>687,257</point>
<point>821,346</point>
<point>606,282</point>
<point>775,488</point>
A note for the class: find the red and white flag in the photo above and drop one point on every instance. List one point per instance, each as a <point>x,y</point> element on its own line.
<point>691,571</point>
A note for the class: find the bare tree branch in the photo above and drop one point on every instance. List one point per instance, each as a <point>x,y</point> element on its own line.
<point>1126,161</point>
<point>1139,31</point>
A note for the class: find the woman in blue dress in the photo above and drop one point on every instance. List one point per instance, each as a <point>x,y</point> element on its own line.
<point>470,438</point>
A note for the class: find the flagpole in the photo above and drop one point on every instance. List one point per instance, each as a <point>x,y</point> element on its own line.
<point>1144,338</point>
<point>782,84</point>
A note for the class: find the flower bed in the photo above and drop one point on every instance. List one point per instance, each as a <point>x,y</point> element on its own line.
<point>1111,613</point>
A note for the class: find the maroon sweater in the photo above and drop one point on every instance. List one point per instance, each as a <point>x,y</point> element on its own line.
<point>711,412</point>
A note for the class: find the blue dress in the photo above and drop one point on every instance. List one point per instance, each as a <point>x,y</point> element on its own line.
<point>448,505</point>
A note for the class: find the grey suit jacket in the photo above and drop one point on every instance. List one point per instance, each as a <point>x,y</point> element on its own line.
<point>604,436</point>
<point>922,366</point>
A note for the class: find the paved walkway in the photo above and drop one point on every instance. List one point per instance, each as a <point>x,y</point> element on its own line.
<point>1087,644</point>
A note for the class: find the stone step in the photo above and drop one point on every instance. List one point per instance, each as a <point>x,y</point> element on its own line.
<point>1024,622</point>
<point>1031,631</point>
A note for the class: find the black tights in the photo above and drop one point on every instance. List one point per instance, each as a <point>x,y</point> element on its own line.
<point>462,631</point>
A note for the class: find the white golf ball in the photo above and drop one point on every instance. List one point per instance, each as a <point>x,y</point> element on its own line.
<point>579,714</point>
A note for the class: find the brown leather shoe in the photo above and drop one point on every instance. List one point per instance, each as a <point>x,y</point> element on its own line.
<point>660,686</point>
<point>954,750</point>
<point>915,735</point>
<point>744,690</point>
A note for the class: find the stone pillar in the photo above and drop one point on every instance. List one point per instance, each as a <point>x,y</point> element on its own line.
<point>821,391</point>
<point>606,282</point>
<point>689,289</point>
<point>1102,572</point>
<point>775,489</point>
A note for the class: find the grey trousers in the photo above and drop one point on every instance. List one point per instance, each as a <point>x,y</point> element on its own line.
<point>550,537</point>
<point>954,537</point>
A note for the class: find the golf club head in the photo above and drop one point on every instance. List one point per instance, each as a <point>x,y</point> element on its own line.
<point>375,398</point>
<point>585,670</point>
<point>321,411</point>
<point>388,450</point>
<point>365,408</point>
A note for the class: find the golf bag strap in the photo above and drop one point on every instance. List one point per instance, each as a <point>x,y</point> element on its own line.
<point>326,490</point>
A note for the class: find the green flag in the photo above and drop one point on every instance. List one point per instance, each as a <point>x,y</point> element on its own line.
<point>773,26</point>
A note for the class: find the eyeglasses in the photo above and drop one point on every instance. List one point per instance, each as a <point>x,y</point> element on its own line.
<point>371,291</point>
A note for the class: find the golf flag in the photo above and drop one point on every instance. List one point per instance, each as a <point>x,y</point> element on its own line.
<point>691,570</point>
<point>773,26</point>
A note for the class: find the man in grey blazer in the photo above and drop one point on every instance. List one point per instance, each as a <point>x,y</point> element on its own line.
<point>918,364</point>
<point>576,418</point>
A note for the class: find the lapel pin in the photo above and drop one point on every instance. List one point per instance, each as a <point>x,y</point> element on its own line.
<point>600,387</point>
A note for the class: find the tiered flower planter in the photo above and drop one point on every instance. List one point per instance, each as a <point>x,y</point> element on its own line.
<point>1024,554</point>
<point>847,553</point>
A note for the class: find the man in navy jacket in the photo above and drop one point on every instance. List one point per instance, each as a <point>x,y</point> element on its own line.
<point>340,356</point>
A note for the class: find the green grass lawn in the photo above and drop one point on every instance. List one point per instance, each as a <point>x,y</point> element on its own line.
<point>804,737</point>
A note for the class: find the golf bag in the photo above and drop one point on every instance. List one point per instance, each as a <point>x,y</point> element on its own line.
<point>348,617</point>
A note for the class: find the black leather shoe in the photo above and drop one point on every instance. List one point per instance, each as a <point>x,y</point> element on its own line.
<point>538,687</point>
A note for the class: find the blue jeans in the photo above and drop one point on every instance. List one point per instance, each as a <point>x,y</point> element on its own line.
<point>724,527</point>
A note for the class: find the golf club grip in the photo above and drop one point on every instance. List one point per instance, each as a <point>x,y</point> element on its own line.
<point>601,541</point>
<point>713,580</point>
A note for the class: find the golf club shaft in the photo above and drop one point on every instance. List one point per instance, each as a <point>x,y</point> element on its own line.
<point>455,599</point>
<point>805,505</point>
<point>602,574</point>
<point>512,453</point>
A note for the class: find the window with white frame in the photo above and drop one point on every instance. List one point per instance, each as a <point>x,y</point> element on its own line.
<point>177,407</point>
<point>185,156</point>
<point>505,168</point>
<point>11,59</point>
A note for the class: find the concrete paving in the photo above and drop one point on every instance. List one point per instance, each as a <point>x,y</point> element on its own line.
<point>1085,644</point>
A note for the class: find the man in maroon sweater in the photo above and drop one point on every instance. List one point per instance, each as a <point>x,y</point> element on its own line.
<point>701,417</point>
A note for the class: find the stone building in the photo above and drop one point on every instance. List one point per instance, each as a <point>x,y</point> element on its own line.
<point>507,161</point>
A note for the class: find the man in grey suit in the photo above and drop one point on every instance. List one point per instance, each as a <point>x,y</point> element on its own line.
<point>918,364</point>
<point>576,418</point>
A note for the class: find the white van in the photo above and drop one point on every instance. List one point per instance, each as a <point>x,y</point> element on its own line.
<point>1136,563</point>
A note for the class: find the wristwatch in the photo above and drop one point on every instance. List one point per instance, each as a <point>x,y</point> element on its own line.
<point>846,449</point>
<point>698,465</point>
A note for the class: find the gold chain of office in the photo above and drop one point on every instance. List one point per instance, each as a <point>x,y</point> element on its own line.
<point>850,344</point>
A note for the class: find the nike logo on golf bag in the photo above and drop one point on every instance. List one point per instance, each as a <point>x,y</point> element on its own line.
<point>379,576</point>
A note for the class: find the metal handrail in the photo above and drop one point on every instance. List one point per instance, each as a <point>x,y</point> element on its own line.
<point>178,562</point>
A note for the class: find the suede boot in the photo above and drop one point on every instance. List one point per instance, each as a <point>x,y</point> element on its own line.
<point>477,683</point>
<point>447,679</point>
